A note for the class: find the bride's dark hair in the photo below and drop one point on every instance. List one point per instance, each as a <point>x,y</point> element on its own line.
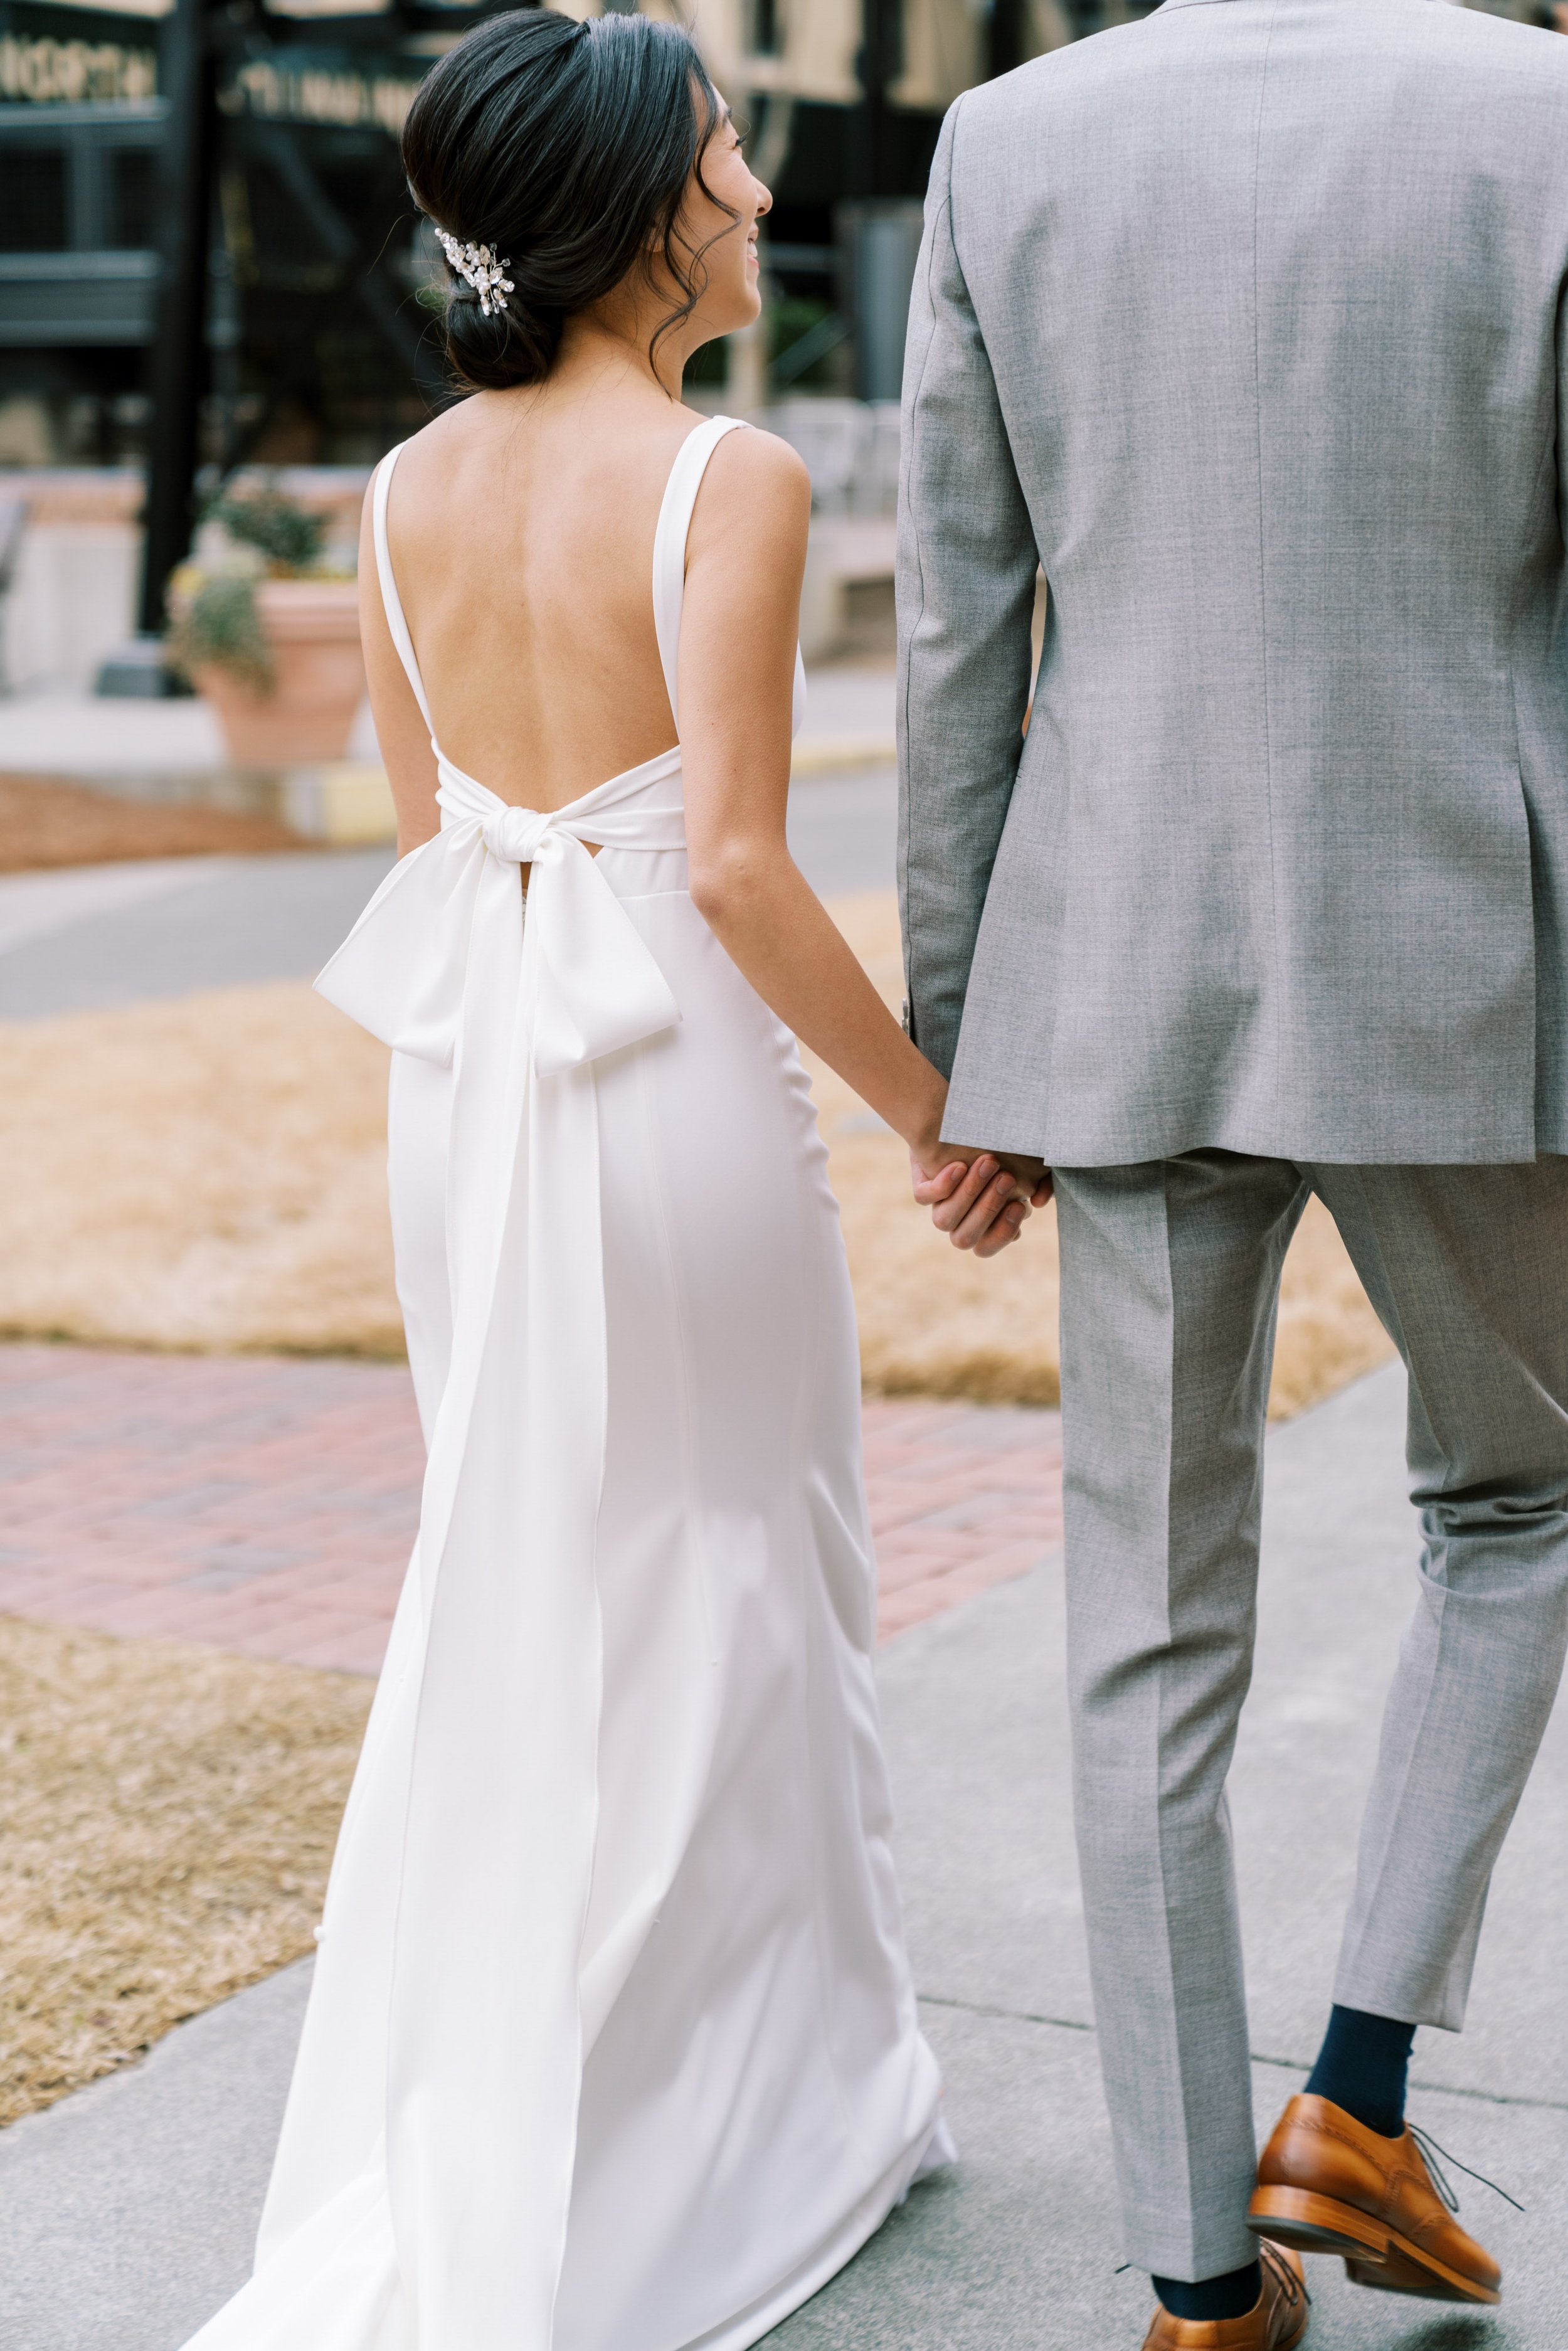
<point>567,149</point>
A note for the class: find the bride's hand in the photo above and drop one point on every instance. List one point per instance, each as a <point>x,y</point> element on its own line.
<point>979,1199</point>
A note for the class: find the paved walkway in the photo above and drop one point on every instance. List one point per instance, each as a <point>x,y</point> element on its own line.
<point>270,1506</point>
<point>127,2211</point>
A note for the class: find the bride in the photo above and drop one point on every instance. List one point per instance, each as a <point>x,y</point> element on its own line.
<point>611,2045</point>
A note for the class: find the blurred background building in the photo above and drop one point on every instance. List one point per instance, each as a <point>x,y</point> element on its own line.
<point>209,261</point>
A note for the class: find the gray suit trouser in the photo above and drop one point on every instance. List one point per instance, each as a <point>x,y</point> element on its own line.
<point>1170,1274</point>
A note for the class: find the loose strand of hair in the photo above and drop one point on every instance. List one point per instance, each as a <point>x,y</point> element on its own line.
<point>691,278</point>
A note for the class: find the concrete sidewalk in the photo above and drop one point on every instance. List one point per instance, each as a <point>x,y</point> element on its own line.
<point>127,2211</point>
<point>152,745</point>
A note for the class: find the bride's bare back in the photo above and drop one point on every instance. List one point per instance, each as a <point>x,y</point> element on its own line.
<point>521,529</point>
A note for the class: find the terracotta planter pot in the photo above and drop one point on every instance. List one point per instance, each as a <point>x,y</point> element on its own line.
<point>312,629</point>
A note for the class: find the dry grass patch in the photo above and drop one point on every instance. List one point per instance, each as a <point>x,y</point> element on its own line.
<point>933,1320</point>
<point>1328,1333</point>
<point>210,1175</point>
<point>169,1819</point>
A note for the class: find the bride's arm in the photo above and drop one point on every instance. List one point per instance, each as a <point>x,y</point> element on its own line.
<point>746,557</point>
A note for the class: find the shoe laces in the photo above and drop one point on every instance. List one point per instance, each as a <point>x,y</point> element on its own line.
<point>1431,2151</point>
<point>1276,2266</point>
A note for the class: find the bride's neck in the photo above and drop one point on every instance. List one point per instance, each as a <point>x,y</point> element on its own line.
<point>599,351</point>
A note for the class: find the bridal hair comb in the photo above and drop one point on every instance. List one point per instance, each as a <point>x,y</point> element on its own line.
<point>477,266</point>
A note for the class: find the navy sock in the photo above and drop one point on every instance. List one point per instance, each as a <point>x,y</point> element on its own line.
<point>1362,2068</point>
<point>1230,2296</point>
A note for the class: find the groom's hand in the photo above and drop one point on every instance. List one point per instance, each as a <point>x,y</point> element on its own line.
<point>979,1198</point>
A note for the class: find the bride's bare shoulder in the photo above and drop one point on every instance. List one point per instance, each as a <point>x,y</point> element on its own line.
<point>753,458</point>
<point>428,459</point>
<point>470,432</point>
<point>753,477</point>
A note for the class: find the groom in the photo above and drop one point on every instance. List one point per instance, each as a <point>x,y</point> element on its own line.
<point>1245,324</point>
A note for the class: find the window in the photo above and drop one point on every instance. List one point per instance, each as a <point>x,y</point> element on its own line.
<point>131,223</point>
<point>33,217</point>
<point>764,28</point>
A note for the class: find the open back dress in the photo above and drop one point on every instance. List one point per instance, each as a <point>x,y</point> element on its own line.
<point>612,2043</point>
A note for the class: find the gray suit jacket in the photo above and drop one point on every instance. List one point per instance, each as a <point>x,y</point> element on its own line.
<point>1246,322</point>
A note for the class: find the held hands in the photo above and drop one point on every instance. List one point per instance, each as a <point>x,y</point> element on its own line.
<point>979,1199</point>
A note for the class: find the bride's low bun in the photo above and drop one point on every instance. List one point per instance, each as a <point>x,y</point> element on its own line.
<point>516,345</point>
<point>564,148</point>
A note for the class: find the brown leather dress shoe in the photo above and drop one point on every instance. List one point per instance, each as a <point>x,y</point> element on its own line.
<point>1328,2185</point>
<point>1278,2319</point>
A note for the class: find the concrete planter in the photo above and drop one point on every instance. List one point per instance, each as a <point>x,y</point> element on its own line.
<point>312,630</point>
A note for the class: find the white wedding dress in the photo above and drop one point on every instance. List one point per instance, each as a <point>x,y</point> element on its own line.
<point>611,2045</point>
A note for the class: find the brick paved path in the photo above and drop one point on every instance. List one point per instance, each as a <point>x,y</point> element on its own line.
<point>269,1505</point>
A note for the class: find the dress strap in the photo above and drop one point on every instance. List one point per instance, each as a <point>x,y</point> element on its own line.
<point>391,600</point>
<point>670,542</point>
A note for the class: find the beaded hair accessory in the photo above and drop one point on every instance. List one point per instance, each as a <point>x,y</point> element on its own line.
<point>477,266</point>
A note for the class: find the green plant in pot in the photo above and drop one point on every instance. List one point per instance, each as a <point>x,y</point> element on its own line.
<point>284,535</point>
<point>217,626</point>
<point>269,632</point>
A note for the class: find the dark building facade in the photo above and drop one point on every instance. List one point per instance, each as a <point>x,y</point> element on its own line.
<point>208,255</point>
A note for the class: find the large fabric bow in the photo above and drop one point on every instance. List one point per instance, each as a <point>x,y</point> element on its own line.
<point>495,1714</point>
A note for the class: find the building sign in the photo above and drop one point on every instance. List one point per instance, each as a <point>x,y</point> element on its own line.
<point>295,89</point>
<point>42,70</point>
